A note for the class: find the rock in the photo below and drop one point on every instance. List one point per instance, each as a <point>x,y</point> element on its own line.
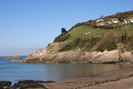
<point>36,53</point>
<point>30,84</point>
<point>6,87</point>
<point>5,84</point>
<point>25,84</point>
<point>74,57</point>
<point>14,57</point>
<point>52,55</point>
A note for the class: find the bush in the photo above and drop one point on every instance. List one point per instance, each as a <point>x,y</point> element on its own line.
<point>61,38</point>
<point>71,46</point>
<point>108,46</point>
<point>109,37</point>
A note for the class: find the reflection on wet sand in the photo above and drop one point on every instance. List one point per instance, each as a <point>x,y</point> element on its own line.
<point>68,71</point>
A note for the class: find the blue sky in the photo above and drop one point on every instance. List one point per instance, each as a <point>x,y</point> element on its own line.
<point>28,25</point>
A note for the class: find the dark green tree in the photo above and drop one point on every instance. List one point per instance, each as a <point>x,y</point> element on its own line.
<point>63,31</point>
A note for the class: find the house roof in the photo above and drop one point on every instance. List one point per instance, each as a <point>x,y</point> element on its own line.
<point>131,18</point>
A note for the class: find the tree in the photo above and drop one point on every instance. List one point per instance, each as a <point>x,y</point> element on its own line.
<point>101,16</point>
<point>63,31</point>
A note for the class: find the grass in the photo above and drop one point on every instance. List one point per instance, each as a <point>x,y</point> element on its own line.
<point>95,32</point>
<point>98,39</point>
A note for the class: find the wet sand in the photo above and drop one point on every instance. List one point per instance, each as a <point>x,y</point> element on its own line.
<point>119,79</point>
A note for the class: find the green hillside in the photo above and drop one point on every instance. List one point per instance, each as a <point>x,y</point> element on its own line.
<point>98,39</point>
<point>95,32</point>
<point>100,34</point>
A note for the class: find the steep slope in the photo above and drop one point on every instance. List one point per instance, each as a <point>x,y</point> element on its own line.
<point>95,32</point>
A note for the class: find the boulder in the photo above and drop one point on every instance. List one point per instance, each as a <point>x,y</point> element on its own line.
<point>13,57</point>
<point>5,84</point>
<point>24,84</point>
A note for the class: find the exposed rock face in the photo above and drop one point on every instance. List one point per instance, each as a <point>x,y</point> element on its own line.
<point>14,57</point>
<point>51,55</point>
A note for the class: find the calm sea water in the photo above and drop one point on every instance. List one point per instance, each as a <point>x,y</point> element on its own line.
<point>33,71</point>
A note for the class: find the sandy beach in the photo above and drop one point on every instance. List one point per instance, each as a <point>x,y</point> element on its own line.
<point>119,79</point>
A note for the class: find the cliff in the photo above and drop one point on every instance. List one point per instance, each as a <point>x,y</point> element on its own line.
<point>52,55</point>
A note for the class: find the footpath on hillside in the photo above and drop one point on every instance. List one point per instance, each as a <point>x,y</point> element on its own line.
<point>119,79</point>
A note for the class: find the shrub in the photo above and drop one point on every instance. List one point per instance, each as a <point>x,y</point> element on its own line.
<point>108,46</point>
<point>130,43</point>
<point>109,37</point>
<point>61,38</point>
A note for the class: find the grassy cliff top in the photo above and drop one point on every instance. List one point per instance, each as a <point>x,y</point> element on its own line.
<point>95,32</point>
<point>100,35</point>
<point>91,26</point>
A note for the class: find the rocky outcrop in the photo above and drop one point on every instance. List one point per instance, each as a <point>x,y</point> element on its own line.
<point>52,55</point>
<point>79,57</point>
<point>14,57</point>
<point>5,84</point>
<point>24,84</point>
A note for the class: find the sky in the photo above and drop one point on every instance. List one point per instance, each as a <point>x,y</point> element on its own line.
<point>28,25</point>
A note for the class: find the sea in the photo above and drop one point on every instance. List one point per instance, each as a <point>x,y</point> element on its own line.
<point>15,72</point>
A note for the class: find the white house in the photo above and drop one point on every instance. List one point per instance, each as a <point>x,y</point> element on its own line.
<point>109,22</point>
<point>101,24</point>
<point>99,20</point>
<point>130,20</point>
<point>125,21</point>
<point>115,20</point>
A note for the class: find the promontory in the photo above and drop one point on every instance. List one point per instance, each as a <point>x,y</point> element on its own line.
<point>104,40</point>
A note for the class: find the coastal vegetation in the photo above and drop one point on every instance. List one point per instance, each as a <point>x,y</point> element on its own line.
<point>100,34</point>
<point>98,39</point>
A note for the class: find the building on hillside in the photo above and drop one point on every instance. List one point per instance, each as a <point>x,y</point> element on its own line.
<point>99,20</point>
<point>115,20</point>
<point>111,21</point>
<point>100,23</point>
<point>130,20</point>
<point>125,21</point>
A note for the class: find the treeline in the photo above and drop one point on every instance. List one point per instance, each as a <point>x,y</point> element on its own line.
<point>121,15</point>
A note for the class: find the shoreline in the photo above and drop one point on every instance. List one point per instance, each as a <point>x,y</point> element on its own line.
<point>122,76</point>
<point>77,62</point>
<point>124,73</point>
